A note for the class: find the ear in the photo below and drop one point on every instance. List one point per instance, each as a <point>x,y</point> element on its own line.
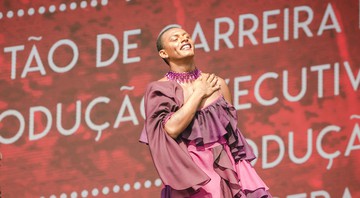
<point>163,54</point>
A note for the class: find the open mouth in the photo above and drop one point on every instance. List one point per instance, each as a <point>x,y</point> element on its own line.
<point>185,47</point>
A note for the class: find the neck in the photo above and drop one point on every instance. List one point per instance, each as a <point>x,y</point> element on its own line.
<point>182,66</point>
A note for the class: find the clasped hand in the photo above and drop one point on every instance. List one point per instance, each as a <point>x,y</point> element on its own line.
<point>206,85</point>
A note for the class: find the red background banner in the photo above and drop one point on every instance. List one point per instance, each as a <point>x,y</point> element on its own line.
<point>73,75</point>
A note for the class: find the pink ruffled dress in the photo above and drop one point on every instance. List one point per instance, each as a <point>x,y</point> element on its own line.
<point>210,159</point>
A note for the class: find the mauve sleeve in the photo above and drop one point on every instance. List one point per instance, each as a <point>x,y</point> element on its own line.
<point>170,156</point>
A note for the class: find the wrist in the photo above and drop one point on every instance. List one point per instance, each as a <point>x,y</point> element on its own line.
<point>198,93</point>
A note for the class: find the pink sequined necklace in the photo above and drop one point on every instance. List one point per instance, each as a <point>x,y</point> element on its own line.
<point>183,77</point>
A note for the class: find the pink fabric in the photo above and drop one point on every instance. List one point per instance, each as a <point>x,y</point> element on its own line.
<point>204,159</point>
<point>215,164</point>
<point>249,180</point>
<point>168,117</point>
<point>170,156</point>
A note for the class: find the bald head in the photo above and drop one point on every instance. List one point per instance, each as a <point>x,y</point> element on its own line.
<point>159,42</point>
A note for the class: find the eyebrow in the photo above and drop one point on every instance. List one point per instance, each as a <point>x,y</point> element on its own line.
<point>178,34</point>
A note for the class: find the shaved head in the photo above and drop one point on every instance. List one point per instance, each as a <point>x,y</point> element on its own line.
<point>159,42</point>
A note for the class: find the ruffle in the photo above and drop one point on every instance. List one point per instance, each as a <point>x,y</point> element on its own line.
<point>252,186</point>
<point>169,155</point>
<point>258,193</point>
<point>228,179</point>
<point>224,168</point>
<point>215,121</point>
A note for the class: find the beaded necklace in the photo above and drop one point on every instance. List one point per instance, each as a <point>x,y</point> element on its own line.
<point>183,77</point>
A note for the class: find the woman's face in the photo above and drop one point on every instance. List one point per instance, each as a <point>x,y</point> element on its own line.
<point>177,45</point>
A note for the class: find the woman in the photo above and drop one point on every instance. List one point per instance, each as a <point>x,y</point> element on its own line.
<point>191,129</point>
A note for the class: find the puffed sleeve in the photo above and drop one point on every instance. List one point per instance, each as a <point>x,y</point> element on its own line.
<point>170,156</point>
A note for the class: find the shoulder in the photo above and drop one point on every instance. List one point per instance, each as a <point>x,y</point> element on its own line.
<point>220,80</point>
<point>225,91</point>
<point>157,85</point>
<point>167,88</point>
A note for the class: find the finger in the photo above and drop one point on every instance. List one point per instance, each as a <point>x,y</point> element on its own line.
<point>204,77</point>
<point>215,88</point>
<point>215,80</point>
<point>213,83</point>
<point>218,87</point>
<point>211,77</point>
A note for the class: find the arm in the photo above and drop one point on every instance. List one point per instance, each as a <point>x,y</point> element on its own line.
<point>204,86</point>
<point>160,100</point>
<point>225,90</point>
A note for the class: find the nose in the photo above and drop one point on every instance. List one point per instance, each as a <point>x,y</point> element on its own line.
<point>184,39</point>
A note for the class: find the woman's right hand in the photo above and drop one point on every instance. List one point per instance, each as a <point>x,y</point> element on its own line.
<point>203,87</point>
<point>206,85</point>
